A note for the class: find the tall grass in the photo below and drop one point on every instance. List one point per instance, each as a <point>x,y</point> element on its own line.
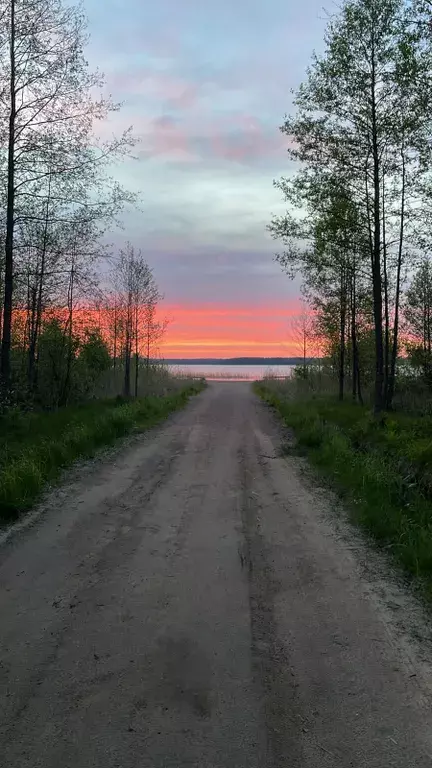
<point>383,468</point>
<point>36,446</point>
<point>157,379</point>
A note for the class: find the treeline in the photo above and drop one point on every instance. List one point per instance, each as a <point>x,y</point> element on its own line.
<point>239,361</point>
<point>63,319</point>
<point>358,225</point>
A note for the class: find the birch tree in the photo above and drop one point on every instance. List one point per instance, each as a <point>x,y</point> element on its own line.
<point>364,116</point>
<point>54,163</point>
<point>136,297</point>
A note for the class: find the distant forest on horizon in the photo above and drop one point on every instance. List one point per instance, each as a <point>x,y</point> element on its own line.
<point>239,361</point>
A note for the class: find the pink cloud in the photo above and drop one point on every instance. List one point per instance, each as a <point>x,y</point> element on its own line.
<point>244,136</point>
<point>235,137</point>
<point>166,137</point>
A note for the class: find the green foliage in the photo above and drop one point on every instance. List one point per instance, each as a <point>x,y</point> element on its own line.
<point>420,359</point>
<point>383,467</point>
<point>301,372</point>
<point>359,201</point>
<point>92,361</point>
<point>68,365</point>
<point>57,353</point>
<point>35,447</point>
<point>94,353</point>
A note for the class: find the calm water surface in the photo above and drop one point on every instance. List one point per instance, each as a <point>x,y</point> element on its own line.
<point>233,372</point>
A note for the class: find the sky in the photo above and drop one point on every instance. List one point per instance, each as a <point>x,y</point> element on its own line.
<point>205,86</point>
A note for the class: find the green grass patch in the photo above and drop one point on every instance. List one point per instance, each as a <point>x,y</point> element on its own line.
<point>36,446</point>
<point>383,468</point>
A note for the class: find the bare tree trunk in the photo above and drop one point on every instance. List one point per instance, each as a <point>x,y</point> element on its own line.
<point>5,352</point>
<point>69,335</point>
<point>1,298</point>
<point>128,347</point>
<point>115,333</point>
<point>342,335</point>
<point>376,254</point>
<point>136,351</point>
<point>428,331</point>
<point>353,339</point>
<point>148,343</point>
<point>395,344</point>
<point>32,373</point>
<point>386,303</point>
<point>426,341</point>
<point>31,327</point>
<point>372,251</point>
<point>126,388</point>
<point>304,353</point>
<point>27,323</point>
<point>357,390</point>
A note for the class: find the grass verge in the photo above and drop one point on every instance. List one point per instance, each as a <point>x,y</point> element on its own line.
<point>382,468</point>
<point>35,447</point>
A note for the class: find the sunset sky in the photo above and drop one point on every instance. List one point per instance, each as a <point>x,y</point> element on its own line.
<point>206,85</point>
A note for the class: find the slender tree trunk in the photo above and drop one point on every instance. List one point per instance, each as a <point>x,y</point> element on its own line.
<point>32,372</point>
<point>115,334</point>
<point>136,351</point>
<point>357,389</point>
<point>428,332</point>
<point>5,352</point>
<point>69,335</point>
<point>342,335</point>
<point>30,338</point>
<point>376,254</point>
<point>128,348</point>
<point>136,373</point>
<point>386,303</point>
<point>304,353</point>
<point>27,323</point>
<point>395,344</point>
<point>353,340</point>
<point>148,344</point>
<point>1,298</point>
<point>33,375</point>
<point>127,365</point>
<point>426,340</point>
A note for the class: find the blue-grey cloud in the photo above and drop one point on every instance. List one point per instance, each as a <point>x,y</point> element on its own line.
<point>206,86</point>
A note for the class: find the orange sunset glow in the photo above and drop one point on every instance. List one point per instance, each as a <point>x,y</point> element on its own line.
<point>219,330</point>
<point>203,331</point>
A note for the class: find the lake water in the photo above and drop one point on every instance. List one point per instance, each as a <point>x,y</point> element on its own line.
<point>232,372</point>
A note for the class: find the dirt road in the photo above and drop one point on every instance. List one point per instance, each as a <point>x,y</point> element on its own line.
<point>189,603</point>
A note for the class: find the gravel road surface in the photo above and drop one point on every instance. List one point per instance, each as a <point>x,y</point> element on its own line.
<point>189,602</point>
